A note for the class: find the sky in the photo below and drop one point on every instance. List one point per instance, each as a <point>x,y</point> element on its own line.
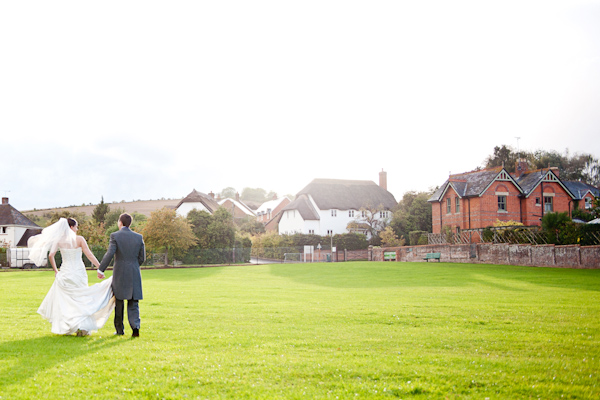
<point>140,100</point>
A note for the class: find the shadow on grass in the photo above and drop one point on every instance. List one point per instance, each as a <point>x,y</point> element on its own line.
<point>24,359</point>
<point>400,274</point>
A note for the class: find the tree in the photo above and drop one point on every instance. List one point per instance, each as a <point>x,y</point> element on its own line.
<point>199,221</point>
<point>215,231</point>
<point>221,230</point>
<point>502,156</point>
<point>583,167</point>
<point>369,219</point>
<point>251,226</point>
<point>257,195</point>
<point>389,238</point>
<point>99,213</point>
<point>228,193</point>
<point>169,231</point>
<point>557,227</point>
<point>412,214</point>
<point>93,233</point>
<point>78,216</point>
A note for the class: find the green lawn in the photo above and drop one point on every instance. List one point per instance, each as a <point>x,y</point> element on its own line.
<point>335,330</point>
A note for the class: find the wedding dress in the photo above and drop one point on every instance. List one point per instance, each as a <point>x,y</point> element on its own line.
<point>71,304</point>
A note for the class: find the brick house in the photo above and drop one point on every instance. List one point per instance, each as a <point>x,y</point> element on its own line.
<point>477,199</point>
<point>237,207</point>
<point>269,209</point>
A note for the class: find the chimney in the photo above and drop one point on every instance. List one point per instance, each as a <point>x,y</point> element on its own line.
<point>383,179</point>
<point>4,200</point>
<point>237,196</point>
<point>521,167</point>
<point>212,195</point>
<point>555,170</point>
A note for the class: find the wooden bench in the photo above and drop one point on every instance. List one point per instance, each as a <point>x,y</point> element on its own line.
<point>433,256</point>
<point>389,256</point>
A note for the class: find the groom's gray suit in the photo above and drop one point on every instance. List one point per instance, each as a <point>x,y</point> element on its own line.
<point>129,252</point>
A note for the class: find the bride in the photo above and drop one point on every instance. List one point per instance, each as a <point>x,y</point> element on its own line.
<point>71,306</point>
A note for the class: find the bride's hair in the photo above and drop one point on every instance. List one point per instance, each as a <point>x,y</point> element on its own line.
<point>72,222</point>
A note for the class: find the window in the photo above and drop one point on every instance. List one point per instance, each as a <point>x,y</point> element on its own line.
<point>448,206</point>
<point>363,214</point>
<point>501,203</point>
<point>588,203</point>
<point>311,231</point>
<point>548,204</point>
<point>329,233</point>
<point>351,213</point>
<point>3,229</point>
<point>537,201</point>
<point>383,214</point>
<point>457,205</point>
<point>334,213</point>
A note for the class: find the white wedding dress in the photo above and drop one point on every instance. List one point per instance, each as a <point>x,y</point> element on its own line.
<point>71,304</point>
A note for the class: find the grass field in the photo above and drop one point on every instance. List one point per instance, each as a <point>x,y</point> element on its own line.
<point>309,331</point>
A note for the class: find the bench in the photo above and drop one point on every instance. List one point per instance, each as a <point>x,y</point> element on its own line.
<point>389,256</point>
<point>433,256</point>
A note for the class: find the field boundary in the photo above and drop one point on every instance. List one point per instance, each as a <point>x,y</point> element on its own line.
<point>549,255</point>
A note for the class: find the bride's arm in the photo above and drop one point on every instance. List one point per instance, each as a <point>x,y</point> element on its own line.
<point>88,253</point>
<point>53,261</point>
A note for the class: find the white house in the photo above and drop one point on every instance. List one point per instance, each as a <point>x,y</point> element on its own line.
<point>327,206</point>
<point>198,201</point>
<point>15,228</point>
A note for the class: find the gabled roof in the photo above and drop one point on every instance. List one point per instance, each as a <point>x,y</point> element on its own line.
<point>30,232</point>
<point>304,206</point>
<point>329,194</point>
<point>11,216</point>
<point>197,197</point>
<point>239,204</point>
<point>271,204</point>
<point>580,189</point>
<point>530,180</point>
<point>474,183</point>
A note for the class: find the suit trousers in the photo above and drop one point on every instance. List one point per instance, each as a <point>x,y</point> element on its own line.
<point>133,314</point>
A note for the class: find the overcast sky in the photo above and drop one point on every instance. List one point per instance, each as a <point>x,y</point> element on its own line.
<point>145,99</point>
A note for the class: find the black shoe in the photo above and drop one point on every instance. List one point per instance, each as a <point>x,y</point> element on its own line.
<point>136,333</point>
<point>119,333</point>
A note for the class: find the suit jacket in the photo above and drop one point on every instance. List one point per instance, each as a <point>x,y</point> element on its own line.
<point>129,252</point>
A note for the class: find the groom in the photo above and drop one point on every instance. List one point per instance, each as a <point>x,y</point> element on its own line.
<point>129,252</point>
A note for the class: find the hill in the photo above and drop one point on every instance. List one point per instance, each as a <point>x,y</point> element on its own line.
<point>144,207</point>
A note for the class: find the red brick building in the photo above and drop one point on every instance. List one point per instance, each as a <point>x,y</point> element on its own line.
<point>477,199</point>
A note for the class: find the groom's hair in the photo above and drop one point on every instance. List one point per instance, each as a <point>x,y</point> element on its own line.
<point>125,219</point>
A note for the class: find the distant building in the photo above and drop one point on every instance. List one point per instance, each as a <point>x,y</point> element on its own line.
<point>328,206</point>
<point>477,199</point>
<point>237,207</point>
<point>269,209</point>
<point>15,228</point>
<point>198,201</point>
